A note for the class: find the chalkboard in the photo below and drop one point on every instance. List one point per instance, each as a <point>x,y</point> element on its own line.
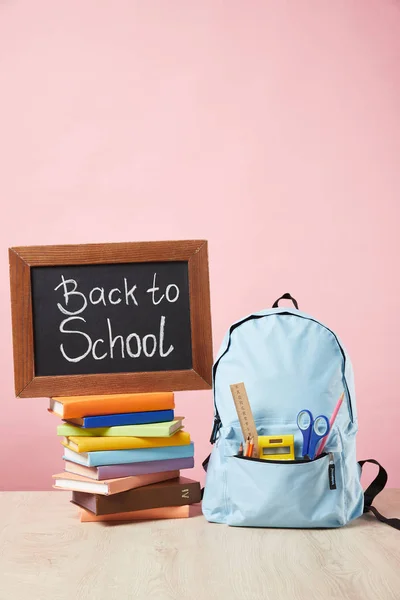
<point>111,318</point>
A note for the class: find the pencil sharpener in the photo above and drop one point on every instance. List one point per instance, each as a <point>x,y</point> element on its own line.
<point>276,447</point>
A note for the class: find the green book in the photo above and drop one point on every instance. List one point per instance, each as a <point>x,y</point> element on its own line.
<point>165,429</point>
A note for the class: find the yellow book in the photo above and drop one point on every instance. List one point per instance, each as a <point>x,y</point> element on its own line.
<point>153,430</point>
<point>93,444</point>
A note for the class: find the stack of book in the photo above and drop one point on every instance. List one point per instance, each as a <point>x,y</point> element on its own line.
<point>123,456</point>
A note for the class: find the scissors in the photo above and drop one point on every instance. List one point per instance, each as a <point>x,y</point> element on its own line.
<point>313,431</point>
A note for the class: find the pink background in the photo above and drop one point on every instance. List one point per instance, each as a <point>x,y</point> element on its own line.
<point>272,129</point>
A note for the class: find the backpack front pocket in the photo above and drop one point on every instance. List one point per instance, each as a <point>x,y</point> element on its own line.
<point>265,493</point>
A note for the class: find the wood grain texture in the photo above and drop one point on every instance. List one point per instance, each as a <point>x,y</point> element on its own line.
<point>22,326</point>
<point>46,553</point>
<point>92,254</point>
<point>114,383</point>
<point>22,258</point>
<point>200,313</point>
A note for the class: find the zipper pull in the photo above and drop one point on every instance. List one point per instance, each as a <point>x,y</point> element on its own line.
<point>331,472</point>
<point>215,429</point>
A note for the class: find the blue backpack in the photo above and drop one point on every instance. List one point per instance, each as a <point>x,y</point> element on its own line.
<point>288,362</point>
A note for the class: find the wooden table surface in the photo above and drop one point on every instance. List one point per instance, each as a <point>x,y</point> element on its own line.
<point>45,552</point>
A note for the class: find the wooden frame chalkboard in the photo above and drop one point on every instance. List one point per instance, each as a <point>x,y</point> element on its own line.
<point>24,260</point>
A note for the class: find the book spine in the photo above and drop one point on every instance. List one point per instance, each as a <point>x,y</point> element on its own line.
<point>100,444</point>
<point>141,498</point>
<point>140,418</point>
<point>143,468</point>
<point>170,512</point>
<point>177,494</point>
<point>76,407</point>
<point>118,457</point>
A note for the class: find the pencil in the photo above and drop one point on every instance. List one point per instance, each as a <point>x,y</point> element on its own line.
<point>251,447</point>
<point>246,447</point>
<point>331,422</point>
<point>240,453</point>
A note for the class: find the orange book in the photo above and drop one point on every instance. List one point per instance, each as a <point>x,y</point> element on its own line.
<point>71,407</point>
<point>148,514</point>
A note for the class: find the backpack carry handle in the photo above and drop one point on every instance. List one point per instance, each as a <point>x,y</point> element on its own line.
<point>286,296</point>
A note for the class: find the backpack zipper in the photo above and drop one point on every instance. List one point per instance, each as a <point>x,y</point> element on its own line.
<point>332,472</point>
<point>217,419</point>
<point>331,466</point>
<point>216,427</point>
<point>284,462</point>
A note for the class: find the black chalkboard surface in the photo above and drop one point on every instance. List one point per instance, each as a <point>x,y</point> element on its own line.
<point>110,318</point>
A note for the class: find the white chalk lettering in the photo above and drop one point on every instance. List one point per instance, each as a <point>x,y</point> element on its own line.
<point>114,340</point>
<point>100,298</point>
<point>63,330</point>
<point>95,356</point>
<point>110,296</point>
<point>171,348</point>
<point>68,293</point>
<point>129,293</point>
<point>148,345</point>
<point>153,291</point>
<point>145,349</point>
<point>128,345</point>
<point>172,285</point>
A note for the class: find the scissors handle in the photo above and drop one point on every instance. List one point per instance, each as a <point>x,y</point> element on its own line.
<point>305,423</point>
<point>319,430</point>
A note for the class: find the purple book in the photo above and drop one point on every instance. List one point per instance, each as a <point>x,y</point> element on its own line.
<point>127,470</point>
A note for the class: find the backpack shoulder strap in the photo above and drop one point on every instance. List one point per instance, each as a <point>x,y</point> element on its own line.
<point>373,490</point>
<point>204,465</point>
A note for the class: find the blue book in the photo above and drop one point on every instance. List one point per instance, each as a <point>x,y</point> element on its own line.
<point>121,457</point>
<point>135,418</point>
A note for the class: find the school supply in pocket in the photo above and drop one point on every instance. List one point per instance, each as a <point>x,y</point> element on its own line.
<point>313,430</point>
<point>331,422</point>
<point>245,416</point>
<point>294,369</point>
<point>275,447</point>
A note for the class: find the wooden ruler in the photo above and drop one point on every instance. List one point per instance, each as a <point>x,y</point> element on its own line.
<point>245,415</point>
